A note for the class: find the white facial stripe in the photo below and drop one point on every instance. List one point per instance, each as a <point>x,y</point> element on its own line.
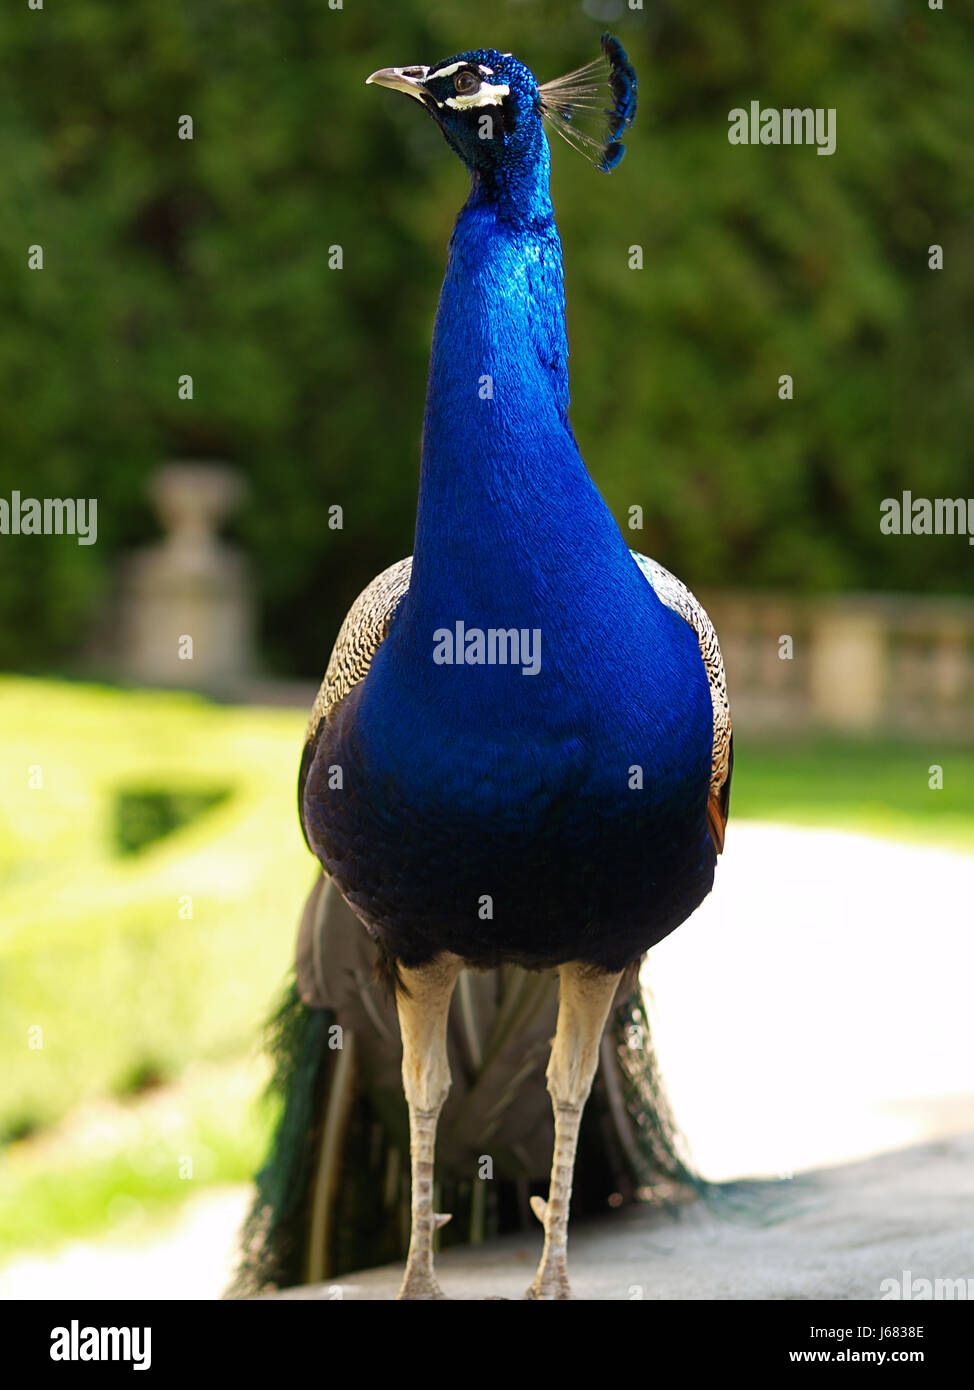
<point>448,72</point>
<point>455,67</point>
<point>486,96</point>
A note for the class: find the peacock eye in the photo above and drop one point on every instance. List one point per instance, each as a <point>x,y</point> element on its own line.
<point>465,82</point>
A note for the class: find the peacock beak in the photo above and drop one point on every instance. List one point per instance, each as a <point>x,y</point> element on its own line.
<point>408,80</point>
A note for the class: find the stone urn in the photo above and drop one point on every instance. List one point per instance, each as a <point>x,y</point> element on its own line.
<point>187,601</point>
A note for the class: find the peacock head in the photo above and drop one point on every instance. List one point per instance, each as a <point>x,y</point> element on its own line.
<point>491,108</point>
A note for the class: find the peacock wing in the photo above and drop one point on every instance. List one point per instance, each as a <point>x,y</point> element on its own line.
<point>675,595</point>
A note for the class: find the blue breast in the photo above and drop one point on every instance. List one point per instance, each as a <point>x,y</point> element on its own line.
<point>487,809</point>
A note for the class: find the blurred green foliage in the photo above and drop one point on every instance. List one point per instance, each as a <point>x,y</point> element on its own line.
<point>211,257</point>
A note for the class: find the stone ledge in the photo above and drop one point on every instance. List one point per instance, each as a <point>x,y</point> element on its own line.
<point>836,1233</point>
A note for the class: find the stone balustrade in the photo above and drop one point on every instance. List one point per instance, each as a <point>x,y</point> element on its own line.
<point>856,663</point>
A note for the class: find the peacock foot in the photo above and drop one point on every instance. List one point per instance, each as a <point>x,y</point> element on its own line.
<point>419,1287</point>
<point>550,1285</point>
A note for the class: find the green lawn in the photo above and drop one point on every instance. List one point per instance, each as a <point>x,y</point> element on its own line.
<point>144,966</point>
<point>125,968</point>
<point>128,966</point>
<point>866,786</point>
<point>127,1165</point>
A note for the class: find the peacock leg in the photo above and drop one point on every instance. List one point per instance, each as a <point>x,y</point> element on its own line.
<point>585,997</point>
<point>423,1005</point>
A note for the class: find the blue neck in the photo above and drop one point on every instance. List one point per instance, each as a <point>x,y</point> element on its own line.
<point>507,510</point>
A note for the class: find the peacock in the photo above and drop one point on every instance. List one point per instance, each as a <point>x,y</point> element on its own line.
<point>515,780</point>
